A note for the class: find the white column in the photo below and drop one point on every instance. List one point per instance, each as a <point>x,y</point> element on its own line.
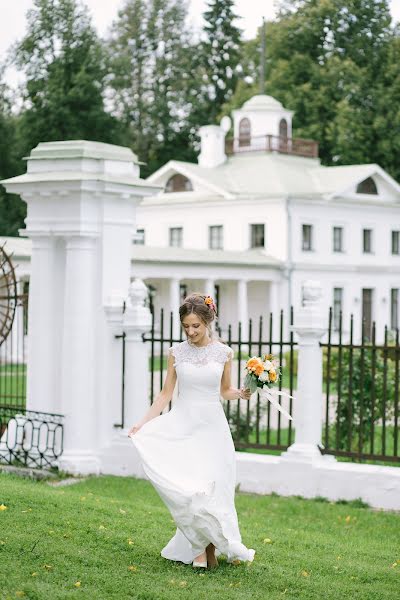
<point>274,308</point>
<point>174,303</point>
<point>137,320</point>
<point>310,325</point>
<point>78,353</point>
<point>17,331</point>
<point>242,307</point>
<point>42,384</point>
<point>209,288</point>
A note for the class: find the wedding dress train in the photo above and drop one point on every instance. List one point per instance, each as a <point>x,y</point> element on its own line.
<point>189,457</point>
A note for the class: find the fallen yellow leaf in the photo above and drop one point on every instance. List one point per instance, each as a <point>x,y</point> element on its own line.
<point>182,583</point>
<point>20,594</point>
<point>132,568</point>
<point>236,562</point>
<point>34,574</point>
<point>305,573</point>
<point>130,542</point>
<point>48,567</point>
<point>348,519</point>
<point>123,512</point>
<point>267,541</point>
<point>3,507</point>
<point>101,527</point>
<point>77,584</point>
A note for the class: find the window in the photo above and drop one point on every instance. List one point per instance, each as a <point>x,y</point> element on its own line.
<point>175,236</point>
<point>338,239</point>
<point>367,241</point>
<point>215,237</point>
<point>366,328</point>
<point>283,128</point>
<point>394,308</point>
<point>138,238</point>
<point>337,306</point>
<point>257,236</point>
<point>395,242</point>
<point>244,132</point>
<point>368,186</point>
<point>307,238</point>
<point>178,183</point>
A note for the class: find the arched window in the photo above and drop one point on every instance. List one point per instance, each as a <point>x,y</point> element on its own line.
<point>178,183</point>
<point>368,186</point>
<point>244,132</point>
<point>283,128</point>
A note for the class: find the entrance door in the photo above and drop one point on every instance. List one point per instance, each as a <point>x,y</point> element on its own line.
<point>367,313</point>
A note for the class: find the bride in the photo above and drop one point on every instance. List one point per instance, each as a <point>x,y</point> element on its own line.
<point>188,453</point>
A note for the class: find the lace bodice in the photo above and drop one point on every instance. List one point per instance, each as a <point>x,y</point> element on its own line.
<point>201,355</point>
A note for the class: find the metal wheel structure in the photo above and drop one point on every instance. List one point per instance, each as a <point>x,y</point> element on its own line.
<point>8,294</point>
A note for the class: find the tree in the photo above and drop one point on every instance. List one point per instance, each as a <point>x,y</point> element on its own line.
<point>12,209</point>
<point>329,62</point>
<point>152,83</point>
<point>64,65</point>
<point>220,55</point>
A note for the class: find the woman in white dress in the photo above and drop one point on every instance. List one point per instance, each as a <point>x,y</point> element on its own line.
<point>188,453</point>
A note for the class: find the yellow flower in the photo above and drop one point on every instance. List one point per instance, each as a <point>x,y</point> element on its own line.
<point>272,375</point>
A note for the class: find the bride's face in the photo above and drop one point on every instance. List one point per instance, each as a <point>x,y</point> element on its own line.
<point>195,329</point>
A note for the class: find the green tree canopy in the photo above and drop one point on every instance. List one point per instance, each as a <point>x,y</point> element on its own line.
<point>64,65</point>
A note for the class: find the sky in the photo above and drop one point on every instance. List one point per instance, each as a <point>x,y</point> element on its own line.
<point>12,18</point>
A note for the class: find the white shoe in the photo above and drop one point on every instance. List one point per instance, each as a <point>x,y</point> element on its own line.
<point>199,563</point>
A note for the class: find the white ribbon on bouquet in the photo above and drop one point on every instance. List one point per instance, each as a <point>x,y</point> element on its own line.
<point>270,393</point>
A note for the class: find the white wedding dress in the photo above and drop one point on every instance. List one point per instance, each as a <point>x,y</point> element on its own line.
<point>189,457</point>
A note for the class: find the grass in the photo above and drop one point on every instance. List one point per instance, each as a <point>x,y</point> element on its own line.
<point>101,539</point>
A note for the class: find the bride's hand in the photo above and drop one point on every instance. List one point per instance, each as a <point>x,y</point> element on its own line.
<point>134,429</point>
<point>245,393</point>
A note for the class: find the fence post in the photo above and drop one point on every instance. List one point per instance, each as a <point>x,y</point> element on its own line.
<point>309,325</point>
<point>136,322</point>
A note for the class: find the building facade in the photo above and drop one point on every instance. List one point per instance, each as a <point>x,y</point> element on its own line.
<point>258,215</point>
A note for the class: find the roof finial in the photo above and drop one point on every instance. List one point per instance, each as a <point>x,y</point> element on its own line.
<point>262,58</point>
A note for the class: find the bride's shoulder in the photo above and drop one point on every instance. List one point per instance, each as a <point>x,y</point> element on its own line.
<point>226,350</point>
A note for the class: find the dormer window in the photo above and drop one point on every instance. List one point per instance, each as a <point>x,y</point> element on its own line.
<point>178,183</point>
<point>244,132</point>
<point>283,128</point>
<point>368,186</point>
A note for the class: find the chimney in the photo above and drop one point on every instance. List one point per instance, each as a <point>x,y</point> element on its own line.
<point>212,148</point>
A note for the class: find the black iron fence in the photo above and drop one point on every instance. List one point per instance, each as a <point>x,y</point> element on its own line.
<point>30,438</point>
<point>361,394</point>
<point>254,423</point>
<point>13,353</point>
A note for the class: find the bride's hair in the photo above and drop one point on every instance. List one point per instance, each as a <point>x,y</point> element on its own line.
<point>195,303</point>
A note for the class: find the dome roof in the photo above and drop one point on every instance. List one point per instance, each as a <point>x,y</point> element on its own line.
<point>262,102</point>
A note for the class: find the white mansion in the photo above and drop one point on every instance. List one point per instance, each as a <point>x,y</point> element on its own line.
<point>257,216</point>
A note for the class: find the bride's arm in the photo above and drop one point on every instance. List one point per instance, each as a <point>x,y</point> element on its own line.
<point>228,392</point>
<point>162,398</point>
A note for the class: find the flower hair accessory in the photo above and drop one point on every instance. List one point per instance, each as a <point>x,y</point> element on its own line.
<point>210,302</point>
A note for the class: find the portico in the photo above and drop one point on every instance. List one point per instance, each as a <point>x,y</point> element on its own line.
<point>244,284</point>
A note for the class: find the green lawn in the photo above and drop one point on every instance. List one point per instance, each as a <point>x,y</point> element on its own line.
<point>101,539</point>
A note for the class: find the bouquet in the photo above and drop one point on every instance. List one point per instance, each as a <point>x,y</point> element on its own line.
<point>263,372</point>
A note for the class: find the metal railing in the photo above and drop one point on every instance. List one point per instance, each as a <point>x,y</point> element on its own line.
<point>254,423</point>
<point>272,143</point>
<point>30,438</point>
<point>361,394</point>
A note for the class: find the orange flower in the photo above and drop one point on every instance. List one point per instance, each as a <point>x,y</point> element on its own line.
<point>209,300</point>
<point>272,375</point>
